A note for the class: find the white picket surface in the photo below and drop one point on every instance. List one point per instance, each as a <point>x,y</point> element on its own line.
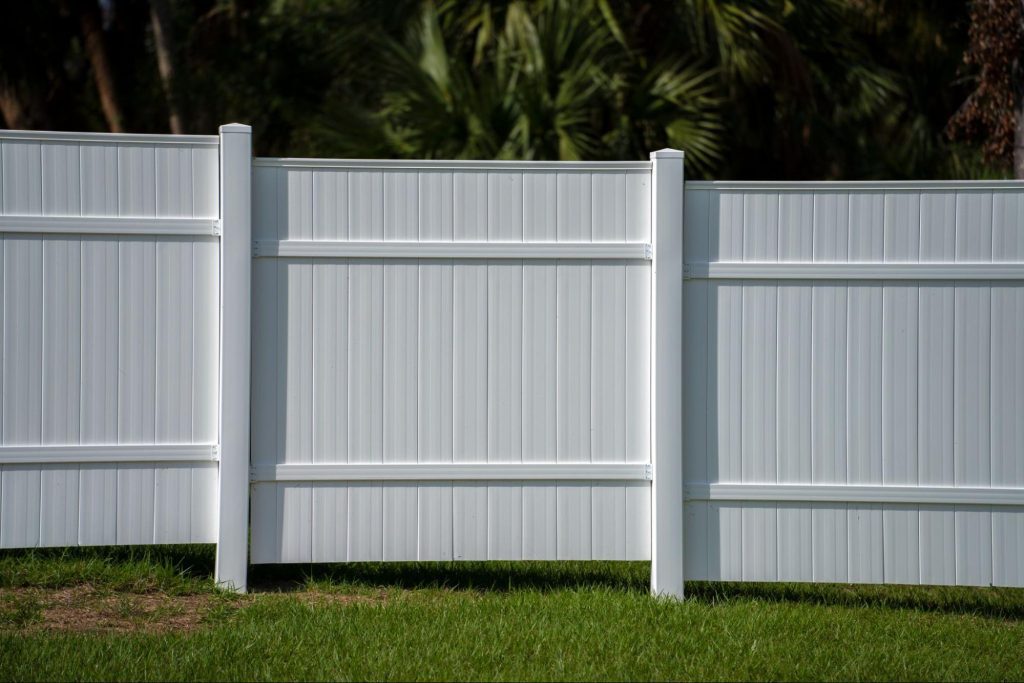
<point>813,400</point>
<point>110,338</point>
<point>490,358</point>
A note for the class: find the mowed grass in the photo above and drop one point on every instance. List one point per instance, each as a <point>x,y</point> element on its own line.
<point>159,618</point>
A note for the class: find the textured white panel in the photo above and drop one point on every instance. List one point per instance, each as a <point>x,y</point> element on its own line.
<point>205,521</point>
<point>435,365</point>
<point>401,205</point>
<point>504,522</point>
<point>366,205</point>
<point>973,547</point>
<point>1008,226</point>
<point>21,178</point>
<point>99,180</point>
<point>758,381</point>
<point>505,207</point>
<point>365,523</point>
<point>136,181</point>
<point>540,206</point>
<point>864,388</point>
<point>725,547</point>
<point>796,226</point>
<point>539,364</point>
<point>265,324</point>
<point>172,504</point>
<point>638,206</point>
<point>434,517</point>
<point>867,226</point>
<point>330,523</point>
<point>330,204</point>
<point>938,557</point>
<point>573,362</point>
<point>972,409</point>
<point>1008,547</point>
<point>696,225</point>
<point>609,521</point>
<point>574,517</point>
<point>760,227</point>
<point>99,341</point>
<point>829,541</point>
<point>136,341</point>
<point>436,196</point>
<point>539,522</point>
<point>174,186</point>
<point>638,362</point>
<point>401,330</point>
<point>831,228</point>
<point>205,182</point>
<point>796,560</point>
<point>295,517</point>
<point>330,362</point>
<point>974,226</point>
<point>295,361</point>
<point>469,437</point>
<point>575,206</point>
<point>505,362</point>
<point>366,363</point>
<point>866,546</point>
<point>899,385</point>
<point>726,232</point>
<point>935,384</point>
<point>902,226</point>
<point>828,383</point>
<point>135,504</point>
<point>62,342</point>
<point>469,211</point>
<point>1007,385</point>
<point>22,342</point>
<point>295,205</point>
<point>725,384</point>
<point>938,226</point>
<point>608,362</point>
<point>62,180</point>
<point>401,526</point>
<point>794,383</point>
<point>901,545</point>
<point>19,506</point>
<point>469,513</point>
<point>759,555</point>
<point>175,332</point>
<point>98,494</point>
<point>265,190</point>
<point>638,521</point>
<point>696,542</point>
<point>609,197</point>
<point>58,505</point>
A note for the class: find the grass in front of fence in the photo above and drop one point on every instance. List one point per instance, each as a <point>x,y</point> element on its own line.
<point>117,613</point>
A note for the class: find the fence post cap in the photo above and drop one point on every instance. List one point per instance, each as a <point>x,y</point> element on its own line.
<point>235,128</point>
<point>667,153</point>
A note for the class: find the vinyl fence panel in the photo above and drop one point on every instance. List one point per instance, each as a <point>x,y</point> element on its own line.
<point>863,355</point>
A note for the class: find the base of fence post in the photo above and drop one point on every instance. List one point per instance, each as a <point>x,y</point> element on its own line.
<point>236,278</point>
<point>666,373</point>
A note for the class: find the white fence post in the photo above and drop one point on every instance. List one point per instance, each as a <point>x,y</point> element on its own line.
<point>236,282</point>
<point>666,373</point>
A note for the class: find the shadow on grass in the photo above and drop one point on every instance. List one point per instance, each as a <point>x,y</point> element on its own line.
<point>171,567</point>
<point>632,577</point>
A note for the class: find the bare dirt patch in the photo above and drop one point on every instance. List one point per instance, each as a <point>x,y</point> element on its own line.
<point>82,609</point>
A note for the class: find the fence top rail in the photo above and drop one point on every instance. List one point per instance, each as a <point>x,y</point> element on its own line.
<point>454,165</point>
<point>115,138</point>
<point>853,185</point>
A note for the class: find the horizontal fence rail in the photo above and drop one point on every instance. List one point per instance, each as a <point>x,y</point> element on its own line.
<point>452,250</point>
<point>455,472</point>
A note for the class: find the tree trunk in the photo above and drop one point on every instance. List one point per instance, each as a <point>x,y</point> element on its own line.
<point>96,50</point>
<point>163,39</point>
<point>10,107</point>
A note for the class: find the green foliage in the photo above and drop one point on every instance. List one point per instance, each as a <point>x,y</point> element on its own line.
<point>497,621</point>
<point>827,89</point>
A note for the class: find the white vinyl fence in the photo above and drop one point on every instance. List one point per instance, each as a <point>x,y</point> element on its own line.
<point>509,360</point>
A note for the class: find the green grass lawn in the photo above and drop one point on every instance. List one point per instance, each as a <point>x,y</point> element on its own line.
<point>152,614</point>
